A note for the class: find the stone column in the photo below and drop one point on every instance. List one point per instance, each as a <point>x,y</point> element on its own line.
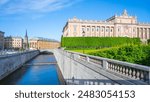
<point>104,31</point>
<point>85,31</point>
<point>90,31</point>
<point>105,64</point>
<point>100,31</point>
<point>109,33</point>
<point>145,33</point>
<point>141,33</point>
<point>138,32</point>
<point>113,32</point>
<point>95,33</point>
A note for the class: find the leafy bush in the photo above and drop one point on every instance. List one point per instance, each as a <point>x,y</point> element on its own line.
<point>96,42</point>
<point>139,54</point>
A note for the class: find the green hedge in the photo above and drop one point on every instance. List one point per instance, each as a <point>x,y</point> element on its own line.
<point>139,54</point>
<point>96,42</point>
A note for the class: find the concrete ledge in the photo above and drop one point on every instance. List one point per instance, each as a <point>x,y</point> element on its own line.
<point>80,70</point>
<point>10,63</point>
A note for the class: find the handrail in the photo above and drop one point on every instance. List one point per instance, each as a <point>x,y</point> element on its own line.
<point>123,69</point>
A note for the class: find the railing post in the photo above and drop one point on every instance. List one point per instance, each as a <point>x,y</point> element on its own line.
<point>87,58</point>
<point>105,64</point>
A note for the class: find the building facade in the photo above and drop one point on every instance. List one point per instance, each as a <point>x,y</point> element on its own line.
<point>115,26</point>
<point>13,43</point>
<point>1,40</point>
<point>42,43</point>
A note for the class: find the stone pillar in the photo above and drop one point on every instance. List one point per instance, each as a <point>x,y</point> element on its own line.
<point>103,28</point>
<point>105,64</point>
<point>109,28</point>
<point>138,32</point>
<point>104,31</point>
<point>147,33</point>
<point>94,31</point>
<point>85,31</point>
<point>113,31</point>
<point>141,33</point>
<point>100,31</point>
<point>90,31</point>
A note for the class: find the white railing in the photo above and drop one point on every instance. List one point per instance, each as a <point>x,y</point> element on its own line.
<point>132,72</point>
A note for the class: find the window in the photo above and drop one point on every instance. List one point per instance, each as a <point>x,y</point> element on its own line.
<point>111,30</point>
<point>107,30</point>
<point>102,29</point>
<point>98,28</point>
<point>119,28</point>
<point>93,29</point>
<point>88,29</point>
<point>83,29</point>
<point>75,28</point>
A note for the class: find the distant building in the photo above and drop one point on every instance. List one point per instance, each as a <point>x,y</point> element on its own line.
<point>1,40</point>
<point>13,43</point>
<point>115,26</point>
<point>26,43</point>
<point>42,43</point>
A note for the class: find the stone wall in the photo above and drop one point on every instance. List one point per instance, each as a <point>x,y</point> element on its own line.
<point>77,72</point>
<point>84,69</point>
<point>10,63</point>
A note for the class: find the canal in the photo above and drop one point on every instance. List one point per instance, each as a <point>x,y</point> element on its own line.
<point>42,70</point>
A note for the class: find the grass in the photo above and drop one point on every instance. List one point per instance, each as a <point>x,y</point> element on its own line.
<point>87,51</point>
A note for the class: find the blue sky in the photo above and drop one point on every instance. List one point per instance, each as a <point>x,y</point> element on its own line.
<point>46,18</point>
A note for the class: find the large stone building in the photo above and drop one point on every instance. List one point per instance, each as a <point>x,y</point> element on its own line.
<point>115,26</point>
<point>1,40</point>
<point>42,43</point>
<point>13,43</point>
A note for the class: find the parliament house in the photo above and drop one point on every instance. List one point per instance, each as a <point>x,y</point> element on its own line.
<point>115,26</point>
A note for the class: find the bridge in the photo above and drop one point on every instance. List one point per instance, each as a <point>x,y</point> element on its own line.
<point>74,68</point>
<point>84,69</point>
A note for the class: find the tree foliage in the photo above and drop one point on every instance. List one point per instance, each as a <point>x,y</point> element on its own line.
<point>139,54</point>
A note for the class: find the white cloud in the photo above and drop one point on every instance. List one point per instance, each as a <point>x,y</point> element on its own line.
<point>22,6</point>
<point>3,2</point>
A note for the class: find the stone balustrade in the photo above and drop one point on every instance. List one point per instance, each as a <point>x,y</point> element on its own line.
<point>138,74</point>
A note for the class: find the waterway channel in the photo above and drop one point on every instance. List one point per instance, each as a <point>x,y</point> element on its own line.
<point>42,70</point>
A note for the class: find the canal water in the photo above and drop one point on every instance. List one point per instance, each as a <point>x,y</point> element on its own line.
<point>42,70</point>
